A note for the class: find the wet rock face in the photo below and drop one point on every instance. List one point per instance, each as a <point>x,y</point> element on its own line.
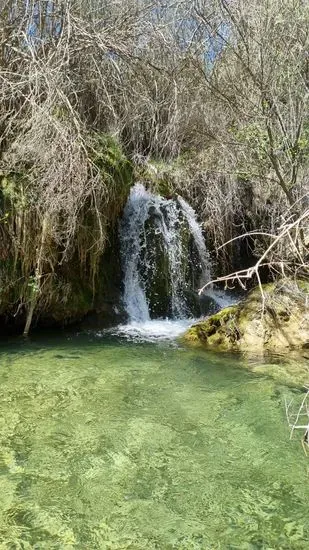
<point>275,321</point>
<point>161,272</point>
<point>164,256</point>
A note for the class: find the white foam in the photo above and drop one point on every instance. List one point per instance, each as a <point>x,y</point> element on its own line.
<point>153,331</point>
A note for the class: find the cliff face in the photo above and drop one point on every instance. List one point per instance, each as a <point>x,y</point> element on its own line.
<point>276,321</point>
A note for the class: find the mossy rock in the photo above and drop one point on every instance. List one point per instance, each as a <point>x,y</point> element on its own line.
<point>158,177</point>
<point>217,331</point>
<point>115,169</point>
<point>275,320</point>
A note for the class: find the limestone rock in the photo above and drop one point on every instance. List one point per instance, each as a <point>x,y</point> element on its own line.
<point>275,321</point>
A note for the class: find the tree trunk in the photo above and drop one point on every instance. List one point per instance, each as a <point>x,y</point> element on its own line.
<point>37,281</point>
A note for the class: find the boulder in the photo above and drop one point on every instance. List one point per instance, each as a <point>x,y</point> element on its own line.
<point>274,320</point>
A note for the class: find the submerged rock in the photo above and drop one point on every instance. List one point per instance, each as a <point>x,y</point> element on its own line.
<point>273,321</point>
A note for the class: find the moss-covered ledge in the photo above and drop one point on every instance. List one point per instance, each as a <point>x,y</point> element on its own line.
<point>218,331</point>
<point>274,321</point>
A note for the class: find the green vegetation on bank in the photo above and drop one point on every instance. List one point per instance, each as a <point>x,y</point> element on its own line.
<point>273,318</point>
<point>52,251</point>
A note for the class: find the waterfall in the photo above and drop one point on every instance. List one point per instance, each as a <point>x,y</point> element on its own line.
<point>131,229</point>
<point>198,240</point>
<point>163,251</point>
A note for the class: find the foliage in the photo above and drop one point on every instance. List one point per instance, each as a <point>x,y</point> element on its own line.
<point>216,90</point>
<point>45,233</point>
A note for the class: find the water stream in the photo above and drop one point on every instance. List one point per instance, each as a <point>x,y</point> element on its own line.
<point>161,240</point>
<point>156,236</point>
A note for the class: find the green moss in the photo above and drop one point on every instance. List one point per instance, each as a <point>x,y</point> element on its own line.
<point>192,337</point>
<point>164,187</point>
<point>303,285</point>
<point>158,176</point>
<point>12,193</point>
<point>218,331</point>
<point>275,321</point>
<point>112,163</point>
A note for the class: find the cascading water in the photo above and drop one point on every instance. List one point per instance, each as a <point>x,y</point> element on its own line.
<point>159,239</point>
<point>132,226</point>
<point>164,262</point>
<point>199,241</point>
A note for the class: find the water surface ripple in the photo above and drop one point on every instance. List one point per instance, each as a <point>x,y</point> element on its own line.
<point>112,444</point>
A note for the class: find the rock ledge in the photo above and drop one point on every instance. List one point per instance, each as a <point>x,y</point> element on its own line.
<point>282,325</point>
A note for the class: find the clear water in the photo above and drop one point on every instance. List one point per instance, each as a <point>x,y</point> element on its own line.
<point>112,444</point>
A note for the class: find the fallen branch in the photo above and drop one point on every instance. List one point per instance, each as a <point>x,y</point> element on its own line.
<point>295,420</point>
<point>248,273</point>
